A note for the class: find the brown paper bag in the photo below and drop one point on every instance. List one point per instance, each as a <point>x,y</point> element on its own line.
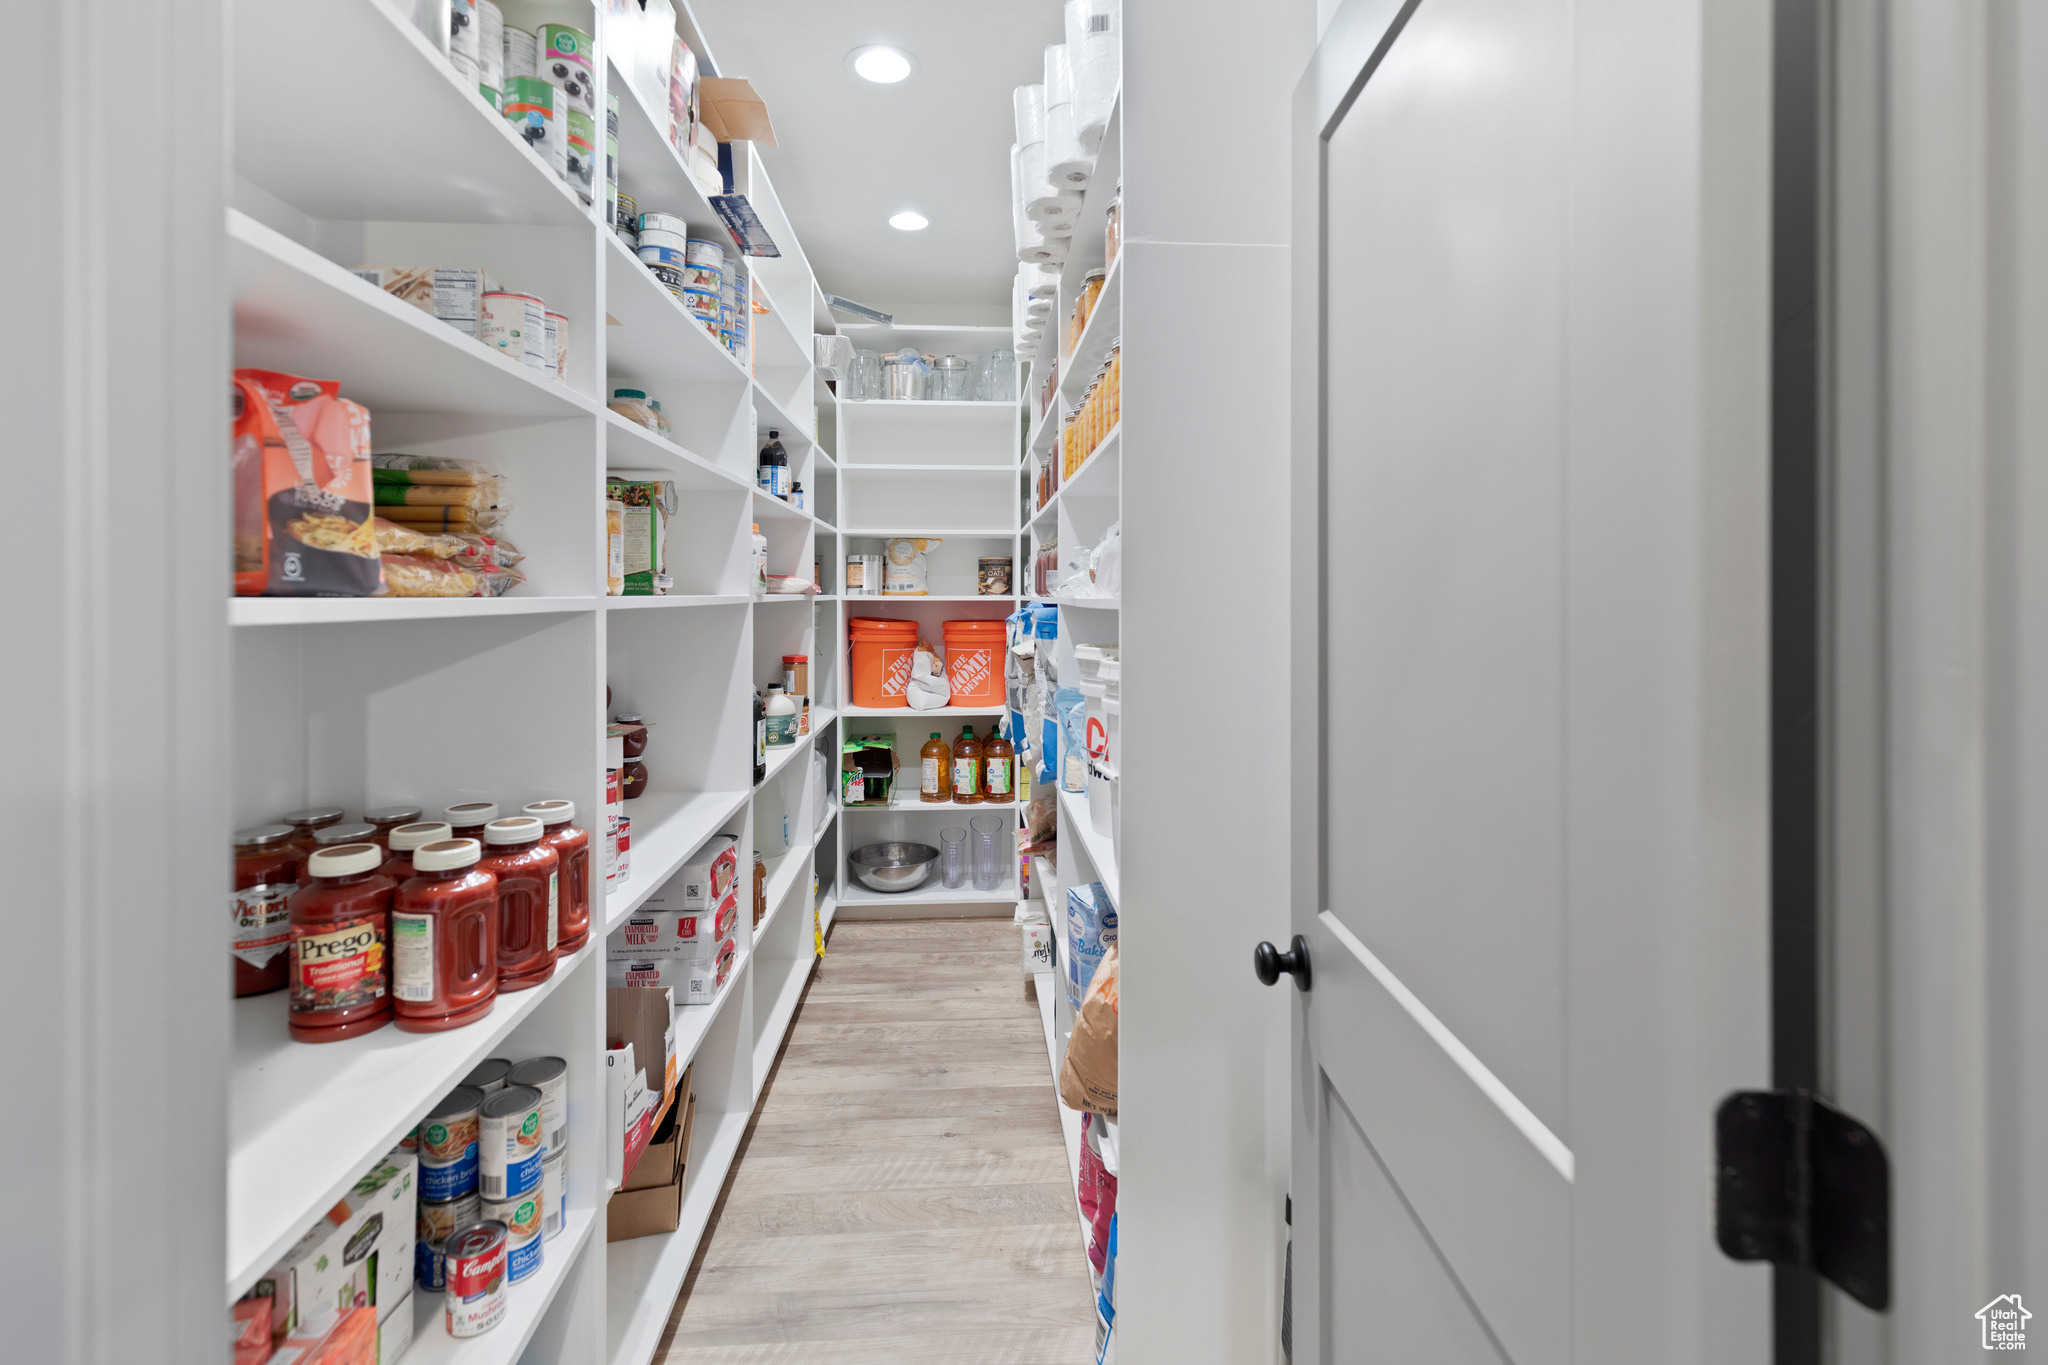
<point>1088,1075</point>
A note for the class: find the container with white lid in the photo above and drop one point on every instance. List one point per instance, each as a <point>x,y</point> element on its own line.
<point>345,861</point>
<point>513,829</point>
<point>444,855</point>
<point>418,835</point>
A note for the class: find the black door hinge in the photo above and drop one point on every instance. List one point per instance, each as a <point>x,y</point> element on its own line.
<point>1799,1182</point>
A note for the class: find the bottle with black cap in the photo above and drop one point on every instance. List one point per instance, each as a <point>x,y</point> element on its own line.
<point>773,471</point>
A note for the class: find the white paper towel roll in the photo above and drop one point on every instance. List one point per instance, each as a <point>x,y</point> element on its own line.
<point>1033,244</point>
<point>1027,102</point>
<point>1067,166</point>
<point>1041,200</point>
<point>1095,51</point>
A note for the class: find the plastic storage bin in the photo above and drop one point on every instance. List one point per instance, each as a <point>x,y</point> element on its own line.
<point>881,652</point>
<point>974,662</point>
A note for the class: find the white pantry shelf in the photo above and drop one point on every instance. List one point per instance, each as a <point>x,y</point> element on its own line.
<point>299,312</point>
<point>525,1305</point>
<point>644,1274</point>
<point>306,1119</point>
<point>667,828</point>
<point>1096,847</point>
<point>316,611</point>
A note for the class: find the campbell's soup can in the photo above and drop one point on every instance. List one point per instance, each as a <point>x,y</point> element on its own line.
<point>623,859</point>
<point>510,1143</point>
<point>522,1218</point>
<point>476,1269</point>
<point>448,1146</point>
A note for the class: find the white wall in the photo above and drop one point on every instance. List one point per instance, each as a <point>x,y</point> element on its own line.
<point>114,381</point>
<point>1206,100</point>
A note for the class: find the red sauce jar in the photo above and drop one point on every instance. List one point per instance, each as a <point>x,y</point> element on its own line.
<point>406,838</point>
<point>308,822</point>
<point>384,819</point>
<point>267,867</point>
<point>469,818</point>
<point>444,939</point>
<point>572,847</point>
<point>528,874</point>
<point>346,832</point>
<point>340,974</point>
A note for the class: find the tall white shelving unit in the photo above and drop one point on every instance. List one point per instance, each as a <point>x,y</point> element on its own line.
<point>921,468</point>
<point>1079,511</point>
<point>363,702</point>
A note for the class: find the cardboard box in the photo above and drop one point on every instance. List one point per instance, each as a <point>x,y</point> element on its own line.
<point>733,111</point>
<point>359,1255</point>
<point>643,1213</point>
<point>703,881</point>
<point>452,294</point>
<point>619,1069</point>
<point>636,1123</point>
<point>646,1019</point>
<point>394,1330</point>
<point>659,932</point>
<point>663,1158</point>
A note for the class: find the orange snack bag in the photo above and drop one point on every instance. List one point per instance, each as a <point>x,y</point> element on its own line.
<point>302,489</point>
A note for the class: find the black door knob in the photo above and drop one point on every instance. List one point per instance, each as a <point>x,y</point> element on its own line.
<point>1269,962</point>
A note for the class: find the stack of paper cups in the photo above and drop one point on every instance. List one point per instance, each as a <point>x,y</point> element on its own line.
<point>1067,165</point>
<point>1095,54</point>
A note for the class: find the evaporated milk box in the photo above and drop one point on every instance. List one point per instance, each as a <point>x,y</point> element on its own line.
<point>453,294</point>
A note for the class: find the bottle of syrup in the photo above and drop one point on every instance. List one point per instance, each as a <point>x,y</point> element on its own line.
<point>967,767</point>
<point>999,766</point>
<point>937,782</point>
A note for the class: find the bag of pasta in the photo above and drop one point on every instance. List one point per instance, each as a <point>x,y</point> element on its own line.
<point>302,489</point>
<point>439,493</point>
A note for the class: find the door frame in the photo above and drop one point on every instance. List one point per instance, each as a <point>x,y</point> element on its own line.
<point>1670,204</point>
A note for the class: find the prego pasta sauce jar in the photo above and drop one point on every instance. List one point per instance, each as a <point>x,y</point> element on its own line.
<point>572,847</point>
<point>341,922</point>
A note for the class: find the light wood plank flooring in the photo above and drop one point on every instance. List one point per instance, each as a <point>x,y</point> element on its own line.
<point>901,1195</point>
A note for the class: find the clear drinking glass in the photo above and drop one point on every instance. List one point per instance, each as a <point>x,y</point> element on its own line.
<point>1001,377</point>
<point>953,856</point>
<point>986,845</point>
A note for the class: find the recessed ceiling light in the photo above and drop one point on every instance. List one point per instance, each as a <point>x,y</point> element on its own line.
<point>909,221</point>
<point>881,64</point>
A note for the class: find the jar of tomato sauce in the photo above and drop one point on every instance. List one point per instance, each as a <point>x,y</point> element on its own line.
<point>266,873</point>
<point>529,883</point>
<point>572,847</point>
<point>469,818</point>
<point>346,832</point>
<point>340,974</point>
<point>405,839</point>
<point>444,939</point>
<point>384,819</point>
<point>308,822</point>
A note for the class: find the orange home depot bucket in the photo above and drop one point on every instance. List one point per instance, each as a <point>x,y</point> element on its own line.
<point>974,662</point>
<point>882,652</point>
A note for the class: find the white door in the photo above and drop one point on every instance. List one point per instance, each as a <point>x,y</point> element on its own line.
<point>1531,508</point>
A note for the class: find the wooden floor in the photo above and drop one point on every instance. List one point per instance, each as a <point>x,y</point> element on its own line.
<point>901,1195</point>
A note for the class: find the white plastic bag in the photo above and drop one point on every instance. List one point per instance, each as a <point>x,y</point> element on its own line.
<point>928,688</point>
<point>1109,563</point>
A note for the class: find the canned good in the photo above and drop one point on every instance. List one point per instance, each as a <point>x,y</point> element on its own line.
<point>554,1183</point>
<point>671,278</point>
<point>448,1145</point>
<point>622,862</point>
<point>489,1075</point>
<point>550,1076</point>
<point>539,112</point>
<point>664,222</point>
<point>707,252</point>
<point>411,1141</point>
<point>475,1274</point>
<point>558,345</point>
<point>429,1266</point>
<point>522,1220</point>
<point>510,1143</point>
<point>626,215</point>
<point>516,326</point>
<point>702,303</point>
<point>610,852</point>
<point>651,254</point>
<point>699,275</point>
<point>436,1219</point>
<point>519,53</point>
<point>662,237</point>
<point>490,45</point>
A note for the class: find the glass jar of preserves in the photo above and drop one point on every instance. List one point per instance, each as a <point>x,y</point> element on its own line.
<point>407,838</point>
<point>267,867</point>
<point>529,886</point>
<point>467,819</point>
<point>634,740</point>
<point>444,939</point>
<point>308,822</point>
<point>384,819</point>
<point>572,848</point>
<point>341,920</point>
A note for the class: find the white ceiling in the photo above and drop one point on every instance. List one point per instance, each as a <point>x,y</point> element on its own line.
<point>852,152</point>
